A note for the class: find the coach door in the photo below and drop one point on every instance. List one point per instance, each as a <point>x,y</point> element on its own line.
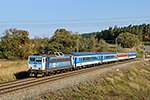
<point>43,63</point>
<point>75,60</point>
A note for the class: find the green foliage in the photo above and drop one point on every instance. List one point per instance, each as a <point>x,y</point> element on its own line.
<point>147,43</point>
<point>103,46</point>
<point>63,40</point>
<point>127,39</point>
<point>15,44</point>
<point>142,31</point>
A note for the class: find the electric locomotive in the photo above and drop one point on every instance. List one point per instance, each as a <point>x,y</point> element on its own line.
<point>42,64</point>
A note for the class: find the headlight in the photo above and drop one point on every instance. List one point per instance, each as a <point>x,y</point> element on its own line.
<point>30,65</point>
<point>38,65</point>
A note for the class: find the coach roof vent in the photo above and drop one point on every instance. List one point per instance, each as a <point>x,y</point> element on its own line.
<point>58,54</point>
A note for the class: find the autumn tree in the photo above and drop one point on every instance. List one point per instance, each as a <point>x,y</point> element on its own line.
<point>127,39</point>
<point>15,44</point>
<point>63,40</point>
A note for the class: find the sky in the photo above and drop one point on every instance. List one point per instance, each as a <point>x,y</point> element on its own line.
<point>42,17</point>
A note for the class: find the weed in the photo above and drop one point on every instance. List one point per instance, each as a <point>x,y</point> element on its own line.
<point>133,74</point>
<point>110,80</point>
<point>134,85</point>
<point>130,78</point>
<point>120,87</point>
<point>117,78</point>
<point>148,68</point>
<point>82,88</point>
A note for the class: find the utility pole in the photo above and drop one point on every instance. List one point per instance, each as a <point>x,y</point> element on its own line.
<point>120,47</point>
<point>116,51</point>
<point>135,47</point>
<point>143,52</point>
<point>116,45</point>
<point>77,45</point>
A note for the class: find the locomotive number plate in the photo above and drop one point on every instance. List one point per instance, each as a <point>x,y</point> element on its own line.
<point>34,67</point>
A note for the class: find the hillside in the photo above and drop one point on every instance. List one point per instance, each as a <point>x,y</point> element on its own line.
<point>132,82</point>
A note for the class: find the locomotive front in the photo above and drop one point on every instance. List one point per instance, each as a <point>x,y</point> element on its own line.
<point>36,65</point>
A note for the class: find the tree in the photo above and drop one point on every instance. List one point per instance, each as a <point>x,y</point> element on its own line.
<point>63,40</point>
<point>127,39</point>
<point>15,44</point>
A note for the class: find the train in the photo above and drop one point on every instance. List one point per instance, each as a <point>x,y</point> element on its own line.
<point>46,63</point>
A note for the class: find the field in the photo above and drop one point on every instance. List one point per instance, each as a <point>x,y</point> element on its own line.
<point>12,70</point>
<point>130,83</point>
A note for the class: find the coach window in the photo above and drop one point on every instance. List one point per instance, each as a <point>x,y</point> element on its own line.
<point>106,57</point>
<point>83,59</point>
<point>87,58</point>
<point>99,57</point>
<point>112,56</point>
<point>80,59</point>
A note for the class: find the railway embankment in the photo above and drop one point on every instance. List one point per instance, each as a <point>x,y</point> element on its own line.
<point>130,82</point>
<point>119,81</point>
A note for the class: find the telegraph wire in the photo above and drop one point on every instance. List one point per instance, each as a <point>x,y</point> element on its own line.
<point>95,22</point>
<point>76,20</point>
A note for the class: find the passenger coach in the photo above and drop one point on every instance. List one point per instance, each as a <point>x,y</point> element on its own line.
<point>81,59</point>
<point>131,54</point>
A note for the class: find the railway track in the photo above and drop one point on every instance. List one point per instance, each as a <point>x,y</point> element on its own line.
<point>30,82</point>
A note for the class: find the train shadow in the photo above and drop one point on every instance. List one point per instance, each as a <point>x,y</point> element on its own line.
<point>21,75</point>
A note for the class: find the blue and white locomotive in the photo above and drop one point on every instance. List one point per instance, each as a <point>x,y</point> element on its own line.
<point>43,64</point>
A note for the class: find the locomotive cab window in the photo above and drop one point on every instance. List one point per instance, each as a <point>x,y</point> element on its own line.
<point>32,59</point>
<point>38,59</point>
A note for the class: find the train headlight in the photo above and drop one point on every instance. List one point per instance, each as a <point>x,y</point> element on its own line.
<point>38,65</point>
<point>30,65</point>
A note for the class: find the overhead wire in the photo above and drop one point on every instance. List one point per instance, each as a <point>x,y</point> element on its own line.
<point>76,22</point>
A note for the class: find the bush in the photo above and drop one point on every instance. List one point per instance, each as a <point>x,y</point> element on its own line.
<point>147,43</point>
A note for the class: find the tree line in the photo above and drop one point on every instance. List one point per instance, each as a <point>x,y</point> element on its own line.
<point>16,44</point>
<point>137,33</point>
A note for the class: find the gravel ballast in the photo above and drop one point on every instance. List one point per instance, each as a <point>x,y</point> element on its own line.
<point>37,91</point>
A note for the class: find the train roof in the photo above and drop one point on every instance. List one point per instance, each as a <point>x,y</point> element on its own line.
<point>54,54</point>
<point>131,52</point>
<point>90,53</point>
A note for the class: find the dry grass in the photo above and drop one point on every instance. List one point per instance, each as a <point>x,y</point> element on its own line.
<point>129,83</point>
<point>10,68</point>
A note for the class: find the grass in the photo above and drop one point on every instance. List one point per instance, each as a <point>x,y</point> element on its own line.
<point>10,70</point>
<point>130,83</point>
